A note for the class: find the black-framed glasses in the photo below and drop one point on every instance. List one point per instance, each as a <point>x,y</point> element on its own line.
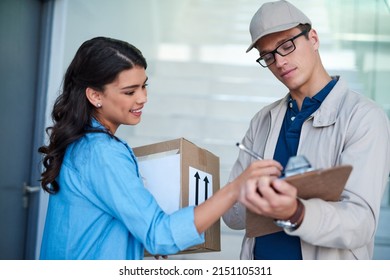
<point>283,49</point>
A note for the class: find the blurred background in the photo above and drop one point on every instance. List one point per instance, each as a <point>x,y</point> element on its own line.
<point>202,84</point>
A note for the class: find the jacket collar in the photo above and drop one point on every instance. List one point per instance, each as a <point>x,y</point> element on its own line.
<point>325,115</point>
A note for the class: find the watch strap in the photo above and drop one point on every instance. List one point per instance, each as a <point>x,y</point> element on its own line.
<point>294,221</point>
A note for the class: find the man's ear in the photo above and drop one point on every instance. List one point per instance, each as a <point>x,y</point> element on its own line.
<point>94,97</point>
<point>313,36</point>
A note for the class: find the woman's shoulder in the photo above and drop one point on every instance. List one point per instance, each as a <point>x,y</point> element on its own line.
<point>102,142</point>
<point>95,145</point>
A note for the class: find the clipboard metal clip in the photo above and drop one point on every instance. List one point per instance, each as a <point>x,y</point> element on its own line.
<point>297,165</point>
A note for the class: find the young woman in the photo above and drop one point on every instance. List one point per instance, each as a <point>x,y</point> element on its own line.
<point>98,207</point>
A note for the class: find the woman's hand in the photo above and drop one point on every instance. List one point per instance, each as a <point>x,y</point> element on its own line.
<point>267,167</point>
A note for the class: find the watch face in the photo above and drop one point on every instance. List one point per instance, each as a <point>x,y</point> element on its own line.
<point>285,224</point>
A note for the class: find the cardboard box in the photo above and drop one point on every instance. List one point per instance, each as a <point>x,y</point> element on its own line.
<point>178,173</point>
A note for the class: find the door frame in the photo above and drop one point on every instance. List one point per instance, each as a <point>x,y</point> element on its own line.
<point>45,30</point>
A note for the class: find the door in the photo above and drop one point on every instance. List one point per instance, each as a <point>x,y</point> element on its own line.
<point>24,37</point>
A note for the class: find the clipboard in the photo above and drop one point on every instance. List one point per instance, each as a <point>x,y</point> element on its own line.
<point>327,184</point>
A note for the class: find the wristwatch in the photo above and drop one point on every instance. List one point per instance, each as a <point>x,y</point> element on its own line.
<point>294,221</point>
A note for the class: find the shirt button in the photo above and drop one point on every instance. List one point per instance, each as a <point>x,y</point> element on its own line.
<point>290,105</point>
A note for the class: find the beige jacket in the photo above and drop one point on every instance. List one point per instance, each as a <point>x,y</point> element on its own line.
<point>348,128</point>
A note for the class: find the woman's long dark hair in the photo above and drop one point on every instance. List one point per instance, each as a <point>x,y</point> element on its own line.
<point>97,63</point>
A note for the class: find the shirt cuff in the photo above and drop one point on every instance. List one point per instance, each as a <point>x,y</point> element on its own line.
<point>183,228</point>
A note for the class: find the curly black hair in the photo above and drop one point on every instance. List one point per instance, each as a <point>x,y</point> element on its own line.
<point>97,63</point>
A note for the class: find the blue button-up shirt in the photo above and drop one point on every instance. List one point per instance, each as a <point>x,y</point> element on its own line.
<point>103,210</point>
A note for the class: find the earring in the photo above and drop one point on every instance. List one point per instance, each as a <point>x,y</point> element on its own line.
<point>98,105</point>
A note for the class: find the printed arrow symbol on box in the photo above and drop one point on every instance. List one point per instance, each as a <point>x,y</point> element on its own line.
<point>206,183</point>
<point>196,187</point>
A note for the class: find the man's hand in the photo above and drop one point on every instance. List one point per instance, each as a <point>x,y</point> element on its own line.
<point>270,197</point>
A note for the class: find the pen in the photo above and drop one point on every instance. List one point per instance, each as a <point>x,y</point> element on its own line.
<point>245,149</point>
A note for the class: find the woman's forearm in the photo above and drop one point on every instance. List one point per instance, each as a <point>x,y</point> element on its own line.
<point>207,213</point>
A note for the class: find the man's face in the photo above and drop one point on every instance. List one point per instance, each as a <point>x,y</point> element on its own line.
<point>294,69</point>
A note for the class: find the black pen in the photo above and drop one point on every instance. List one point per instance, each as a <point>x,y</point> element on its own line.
<point>245,149</point>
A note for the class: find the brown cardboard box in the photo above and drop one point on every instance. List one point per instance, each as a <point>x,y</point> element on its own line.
<point>179,174</point>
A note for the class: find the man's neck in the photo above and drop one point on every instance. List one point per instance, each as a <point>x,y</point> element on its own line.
<point>311,87</point>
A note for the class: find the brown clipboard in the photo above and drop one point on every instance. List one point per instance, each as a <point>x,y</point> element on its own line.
<point>327,184</point>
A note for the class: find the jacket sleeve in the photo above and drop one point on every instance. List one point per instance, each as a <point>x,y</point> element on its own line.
<point>351,222</point>
<point>235,217</point>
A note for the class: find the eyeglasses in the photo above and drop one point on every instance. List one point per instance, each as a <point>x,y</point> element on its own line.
<point>283,49</point>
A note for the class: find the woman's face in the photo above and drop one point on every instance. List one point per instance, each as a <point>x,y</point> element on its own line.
<point>122,100</point>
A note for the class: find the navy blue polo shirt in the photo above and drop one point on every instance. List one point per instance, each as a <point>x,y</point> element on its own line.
<point>279,245</point>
